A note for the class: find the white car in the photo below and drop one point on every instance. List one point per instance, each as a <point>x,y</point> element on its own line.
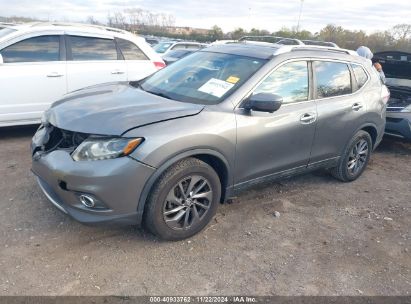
<point>164,47</point>
<point>41,62</point>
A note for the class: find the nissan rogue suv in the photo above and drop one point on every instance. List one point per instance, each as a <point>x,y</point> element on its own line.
<point>41,62</point>
<point>167,150</point>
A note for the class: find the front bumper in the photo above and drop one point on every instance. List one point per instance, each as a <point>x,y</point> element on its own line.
<point>116,183</point>
<point>398,124</point>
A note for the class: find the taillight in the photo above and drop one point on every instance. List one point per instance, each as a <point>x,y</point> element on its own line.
<point>385,94</point>
<point>159,65</point>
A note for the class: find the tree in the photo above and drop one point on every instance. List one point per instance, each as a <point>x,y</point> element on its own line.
<point>401,31</point>
<point>216,33</point>
<point>91,20</point>
<point>238,33</point>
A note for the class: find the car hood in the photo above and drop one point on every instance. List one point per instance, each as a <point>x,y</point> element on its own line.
<point>113,109</point>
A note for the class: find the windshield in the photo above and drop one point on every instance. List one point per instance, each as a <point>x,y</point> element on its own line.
<point>5,31</point>
<point>203,77</point>
<point>162,47</point>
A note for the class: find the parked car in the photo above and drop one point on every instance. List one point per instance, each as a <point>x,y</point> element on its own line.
<point>164,47</point>
<point>41,62</point>
<point>167,150</point>
<point>397,69</point>
<point>173,56</point>
<point>152,41</point>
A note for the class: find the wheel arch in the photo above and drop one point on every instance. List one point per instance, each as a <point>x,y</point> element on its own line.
<point>213,158</point>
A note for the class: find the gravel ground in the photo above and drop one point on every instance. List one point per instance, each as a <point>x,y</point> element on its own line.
<point>328,238</point>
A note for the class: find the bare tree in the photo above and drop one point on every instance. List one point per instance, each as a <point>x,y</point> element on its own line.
<point>401,31</point>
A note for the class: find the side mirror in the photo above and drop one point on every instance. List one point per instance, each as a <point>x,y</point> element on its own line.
<point>1,59</point>
<point>264,102</point>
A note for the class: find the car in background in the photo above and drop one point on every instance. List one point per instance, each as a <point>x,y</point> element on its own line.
<point>41,62</point>
<point>152,41</point>
<point>173,56</point>
<point>397,69</point>
<point>164,47</point>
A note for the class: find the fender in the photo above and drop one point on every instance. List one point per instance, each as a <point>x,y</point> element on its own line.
<point>167,164</point>
<point>372,125</point>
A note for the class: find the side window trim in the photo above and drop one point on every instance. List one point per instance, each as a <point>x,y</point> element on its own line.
<point>62,46</point>
<point>69,53</point>
<point>354,84</point>
<point>120,55</point>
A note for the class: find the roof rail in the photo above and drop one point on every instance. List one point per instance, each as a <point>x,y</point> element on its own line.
<point>101,27</point>
<point>287,40</point>
<point>291,48</point>
<point>272,39</point>
<point>319,43</point>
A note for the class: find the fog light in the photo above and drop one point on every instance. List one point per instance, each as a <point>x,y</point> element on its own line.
<point>87,200</point>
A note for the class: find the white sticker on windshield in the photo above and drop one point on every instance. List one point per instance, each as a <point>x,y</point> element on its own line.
<point>216,87</point>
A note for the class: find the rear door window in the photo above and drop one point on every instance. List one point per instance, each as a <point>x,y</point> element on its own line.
<point>332,79</point>
<point>130,51</point>
<point>360,75</point>
<point>36,49</point>
<point>91,48</point>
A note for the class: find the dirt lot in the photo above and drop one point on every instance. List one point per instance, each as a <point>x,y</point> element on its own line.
<point>331,238</point>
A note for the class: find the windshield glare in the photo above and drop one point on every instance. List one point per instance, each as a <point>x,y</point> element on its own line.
<point>202,77</point>
<point>162,47</point>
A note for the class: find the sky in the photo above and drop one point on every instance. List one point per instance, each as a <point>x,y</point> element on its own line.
<point>367,15</point>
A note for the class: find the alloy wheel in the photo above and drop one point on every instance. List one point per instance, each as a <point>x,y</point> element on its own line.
<point>187,203</point>
<point>357,157</point>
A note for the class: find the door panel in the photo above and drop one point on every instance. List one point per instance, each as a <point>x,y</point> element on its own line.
<point>28,89</point>
<point>81,74</point>
<point>339,111</point>
<point>269,143</point>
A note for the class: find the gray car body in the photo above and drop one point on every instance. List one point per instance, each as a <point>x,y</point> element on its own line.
<point>244,147</point>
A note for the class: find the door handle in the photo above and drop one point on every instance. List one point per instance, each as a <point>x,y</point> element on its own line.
<point>356,106</point>
<point>54,74</point>
<point>117,72</point>
<point>308,118</point>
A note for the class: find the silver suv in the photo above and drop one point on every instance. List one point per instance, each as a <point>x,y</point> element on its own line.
<point>167,150</point>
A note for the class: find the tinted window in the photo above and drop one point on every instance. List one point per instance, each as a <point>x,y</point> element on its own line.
<point>360,75</point>
<point>90,48</point>
<point>333,79</point>
<point>130,50</point>
<point>290,81</point>
<point>42,48</point>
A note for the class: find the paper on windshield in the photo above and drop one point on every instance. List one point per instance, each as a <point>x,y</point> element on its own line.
<point>216,87</point>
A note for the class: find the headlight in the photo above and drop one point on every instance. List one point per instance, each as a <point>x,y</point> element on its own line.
<point>95,148</point>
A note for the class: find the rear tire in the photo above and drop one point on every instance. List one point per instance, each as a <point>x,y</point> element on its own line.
<point>355,158</point>
<point>183,200</point>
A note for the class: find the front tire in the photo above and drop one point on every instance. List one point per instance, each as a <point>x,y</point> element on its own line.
<point>355,158</point>
<point>183,200</point>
